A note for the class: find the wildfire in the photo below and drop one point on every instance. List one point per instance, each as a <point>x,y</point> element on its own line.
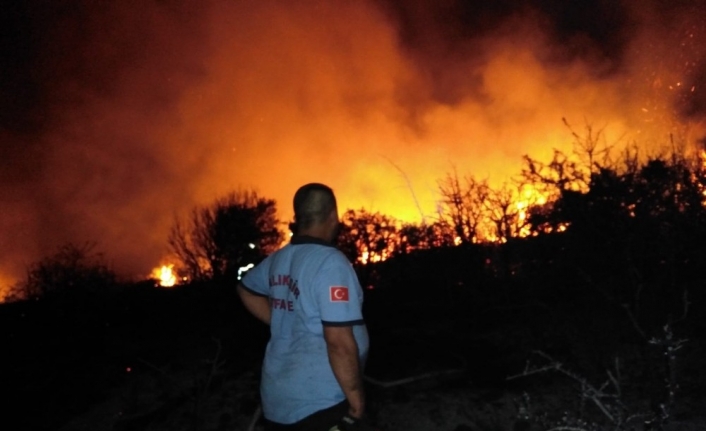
<point>528,197</point>
<point>367,257</point>
<point>165,275</point>
<point>702,155</point>
<point>380,121</point>
<point>5,286</point>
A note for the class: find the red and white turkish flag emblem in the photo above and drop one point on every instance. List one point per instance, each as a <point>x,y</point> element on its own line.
<point>339,294</point>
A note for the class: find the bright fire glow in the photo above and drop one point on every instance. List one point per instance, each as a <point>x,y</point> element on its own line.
<point>379,102</point>
<point>528,197</point>
<point>367,257</point>
<point>702,154</point>
<point>165,275</point>
<point>5,284</point>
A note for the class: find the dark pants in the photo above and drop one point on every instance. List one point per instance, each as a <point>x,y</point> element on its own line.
<point>323,420</point>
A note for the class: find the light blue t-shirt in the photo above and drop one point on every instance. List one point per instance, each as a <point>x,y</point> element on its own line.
<point>309,284</point>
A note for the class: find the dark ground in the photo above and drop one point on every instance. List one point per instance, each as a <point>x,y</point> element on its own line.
<point>145,358</point>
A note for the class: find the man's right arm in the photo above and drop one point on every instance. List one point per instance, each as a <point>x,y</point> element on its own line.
<point>258,306</point>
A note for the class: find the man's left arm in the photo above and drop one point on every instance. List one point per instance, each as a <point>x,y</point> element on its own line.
<point>340,301</point>
<point>343,356</point>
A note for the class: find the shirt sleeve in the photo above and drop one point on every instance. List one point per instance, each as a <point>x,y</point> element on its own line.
<point>256,280</point>
<point>338,293</point>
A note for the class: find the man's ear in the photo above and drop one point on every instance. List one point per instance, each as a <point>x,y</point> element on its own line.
<point>333,217</point>
<point>334,223</point>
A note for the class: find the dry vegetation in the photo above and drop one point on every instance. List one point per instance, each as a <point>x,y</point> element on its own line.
<point>579,311</point>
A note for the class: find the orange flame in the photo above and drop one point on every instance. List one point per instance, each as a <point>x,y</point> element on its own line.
<point>165,276</point>
<point>702,155</point>
<point>5,288</point>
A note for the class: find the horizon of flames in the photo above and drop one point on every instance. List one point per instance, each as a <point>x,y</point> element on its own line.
<point>523,200</point>
<point>271,96</point>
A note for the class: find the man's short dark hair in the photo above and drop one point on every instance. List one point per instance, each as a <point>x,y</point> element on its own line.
<point>313,203</point>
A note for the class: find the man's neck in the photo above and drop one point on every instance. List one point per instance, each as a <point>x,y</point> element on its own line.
<point>319,234</point>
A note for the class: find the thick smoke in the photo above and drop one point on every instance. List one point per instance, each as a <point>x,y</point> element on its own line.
<point>119,115</point>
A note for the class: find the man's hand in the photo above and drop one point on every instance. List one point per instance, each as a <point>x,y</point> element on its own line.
<point>349,423</point>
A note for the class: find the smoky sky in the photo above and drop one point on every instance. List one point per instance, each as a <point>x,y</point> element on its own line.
<point>115,117</point>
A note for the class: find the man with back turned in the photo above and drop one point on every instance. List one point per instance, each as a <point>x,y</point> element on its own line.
<point>310,296</point>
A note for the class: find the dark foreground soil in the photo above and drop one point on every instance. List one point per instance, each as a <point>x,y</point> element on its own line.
<point>454,404</point>
<point>188,359</point>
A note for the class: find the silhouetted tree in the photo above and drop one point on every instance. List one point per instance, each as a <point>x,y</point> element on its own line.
<point>463,206</point>
<point>72,270</point>
<point>368,237</point>
<point>633,231</point>
<point>235,230</point>
<point>424,236</point>
<point>411,237</point>
<point>566,177</point>
<point>507,213</point>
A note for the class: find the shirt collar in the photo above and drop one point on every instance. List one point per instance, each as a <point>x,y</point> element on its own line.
<point>305,239</point>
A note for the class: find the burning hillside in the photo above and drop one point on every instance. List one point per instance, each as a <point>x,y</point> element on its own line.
<point>119,116</point>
